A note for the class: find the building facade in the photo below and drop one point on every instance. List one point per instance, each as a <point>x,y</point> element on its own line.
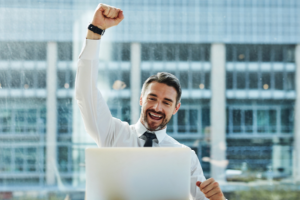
<point>238,63</point>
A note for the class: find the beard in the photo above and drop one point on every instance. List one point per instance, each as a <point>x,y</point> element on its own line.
<point>146,123</point>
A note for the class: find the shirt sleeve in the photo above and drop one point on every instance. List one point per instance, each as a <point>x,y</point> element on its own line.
<point>96,115</point>
<point>196,175</point>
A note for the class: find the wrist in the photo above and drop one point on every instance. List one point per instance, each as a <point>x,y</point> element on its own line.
<point>92,36</point>
<point>98,25</point>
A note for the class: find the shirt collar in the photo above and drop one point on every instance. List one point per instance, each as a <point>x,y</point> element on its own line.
<point>140,129</point>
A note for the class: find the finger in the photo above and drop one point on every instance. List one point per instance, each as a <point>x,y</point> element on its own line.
<point>101,7</point>
<point>119,18</point>
<point>106,9</point>
<point>214,194</point>
<point>110,12</point>
<point>198,183</point>
<point>210,187</point>
<point>212,191</point>
<point>206,183</point>
<point>114,12</point>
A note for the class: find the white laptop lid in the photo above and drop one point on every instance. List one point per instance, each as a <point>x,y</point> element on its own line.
<point>137,173</point>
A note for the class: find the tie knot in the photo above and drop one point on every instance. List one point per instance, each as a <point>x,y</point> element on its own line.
<point>150,136</point>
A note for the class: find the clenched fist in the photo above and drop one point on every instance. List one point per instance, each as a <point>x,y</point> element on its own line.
<point>105,16</point>
<point>211,189</point>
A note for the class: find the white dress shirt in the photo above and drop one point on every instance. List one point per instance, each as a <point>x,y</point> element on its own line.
<point>108,131</point>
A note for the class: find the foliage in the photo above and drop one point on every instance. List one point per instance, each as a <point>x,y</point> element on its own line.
<point>50,196</point>
<point>266,194</point>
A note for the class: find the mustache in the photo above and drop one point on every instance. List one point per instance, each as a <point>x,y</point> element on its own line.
<point>153,111</point>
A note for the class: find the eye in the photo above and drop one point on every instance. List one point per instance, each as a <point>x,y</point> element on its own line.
<point>166,103</point>
<point>152,99</point>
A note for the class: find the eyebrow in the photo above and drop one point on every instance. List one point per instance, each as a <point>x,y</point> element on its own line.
<point>151,94</point>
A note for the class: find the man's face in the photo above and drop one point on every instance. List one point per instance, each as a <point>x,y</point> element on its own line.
<point>158,105</point>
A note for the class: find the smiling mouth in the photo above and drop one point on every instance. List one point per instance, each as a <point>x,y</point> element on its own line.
<point>155,116</point>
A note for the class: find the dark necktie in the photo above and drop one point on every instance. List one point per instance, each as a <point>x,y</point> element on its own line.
<point>149,138</point>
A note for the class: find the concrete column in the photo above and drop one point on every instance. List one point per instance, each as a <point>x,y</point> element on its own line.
<point>51,113</point>
<point>296,150</point>
<point>286,159</point>
<point>135,81</point>
<point>281,157</point>
<point>218,112</point>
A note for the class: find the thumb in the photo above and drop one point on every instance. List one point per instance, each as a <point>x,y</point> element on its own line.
<point>198,183</point>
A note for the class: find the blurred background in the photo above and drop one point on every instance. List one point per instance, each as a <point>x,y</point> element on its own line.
<point>238,63</point>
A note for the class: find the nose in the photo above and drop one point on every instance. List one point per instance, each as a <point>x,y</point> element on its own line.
<point>157,107</point>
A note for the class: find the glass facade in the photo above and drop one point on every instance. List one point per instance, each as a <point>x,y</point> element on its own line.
<point>260,92</point>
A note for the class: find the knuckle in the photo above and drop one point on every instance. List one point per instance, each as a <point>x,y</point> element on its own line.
<point>216,183</point>
<point>101,5</point>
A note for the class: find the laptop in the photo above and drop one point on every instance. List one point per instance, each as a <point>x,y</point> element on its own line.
<point>137,173</point>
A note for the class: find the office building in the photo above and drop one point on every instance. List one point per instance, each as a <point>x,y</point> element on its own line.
<point>238,63</point>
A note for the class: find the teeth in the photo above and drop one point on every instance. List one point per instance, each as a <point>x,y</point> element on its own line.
<point>155,115</point>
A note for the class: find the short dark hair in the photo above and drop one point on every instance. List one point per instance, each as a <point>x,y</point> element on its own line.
<point>166,78</point>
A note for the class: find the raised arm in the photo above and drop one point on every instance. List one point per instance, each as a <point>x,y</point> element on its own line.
<point>94,110</point>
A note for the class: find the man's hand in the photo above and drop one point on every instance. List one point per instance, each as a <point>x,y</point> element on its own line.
<point>211,189</point>
<point>105,16</point>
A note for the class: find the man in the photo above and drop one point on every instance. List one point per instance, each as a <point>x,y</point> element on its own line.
<point>160,99</point>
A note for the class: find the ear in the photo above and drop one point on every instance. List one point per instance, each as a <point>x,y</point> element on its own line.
<point>141,100</point>
<point>176,108</point>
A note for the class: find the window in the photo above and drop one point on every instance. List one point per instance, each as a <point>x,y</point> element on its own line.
<point>64,51</point>
<point>22,120</point>
<point>64,119</point>
<point>65,79</point>
<point>15,51</point>
<point>272,80</point>
<point>121,51</point>
<point>253,80</point>
<point>244,154</point>
<point>183,77</point>
<point>15,79</point>
<point>41,79</point>
<point>260,53</point>
<point>25,79</point>
<point>173,52</point>
<point>259,120</point>
<point>189,120</point>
